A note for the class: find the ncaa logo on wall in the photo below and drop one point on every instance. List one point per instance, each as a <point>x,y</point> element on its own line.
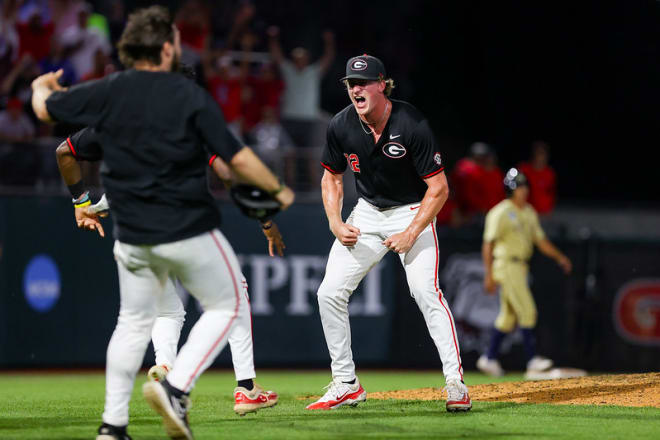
<point>359,65</point>
<point>637,312</point>
<point>41,283</point>
<point>394,150</point>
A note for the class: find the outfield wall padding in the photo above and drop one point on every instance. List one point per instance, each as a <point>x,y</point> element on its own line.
<point>59,296</point>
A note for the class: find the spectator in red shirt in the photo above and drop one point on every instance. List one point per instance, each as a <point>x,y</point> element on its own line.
<point>34,34</point>
<point>225,82</point>
<point>193,20</point>
<point>265,90</point>
<point>542,179</point>
<point>467,181</point>
<point>491,183</point>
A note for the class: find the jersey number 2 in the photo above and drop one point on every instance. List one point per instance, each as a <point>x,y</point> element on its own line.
<point>353,161</point>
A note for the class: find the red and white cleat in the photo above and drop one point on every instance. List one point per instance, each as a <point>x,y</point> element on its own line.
<point>247,401</point>
<point>458,398</point>
<point>339,394</point>
<point>158,372</point>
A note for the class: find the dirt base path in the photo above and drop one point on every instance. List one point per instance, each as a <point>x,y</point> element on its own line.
<point>619,389</point>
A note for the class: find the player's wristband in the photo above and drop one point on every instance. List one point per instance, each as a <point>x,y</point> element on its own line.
<point>77,189</point>
<point>266,225</point>
<point>82,201</point>
<point>278,190</point>
<point>82,205</point>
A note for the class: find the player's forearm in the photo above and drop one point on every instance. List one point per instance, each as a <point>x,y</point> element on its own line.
<point>332,192</point>
<point>223,171</point>
<point>548,249</point>
<point>487,256</point>
<point>433,201</point>
<point>40,94</point>
<point>69,167</point>
<point>250,168</point>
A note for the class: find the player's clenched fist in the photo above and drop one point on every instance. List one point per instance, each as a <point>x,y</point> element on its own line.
<point>346,234</point>
<point>400,242</point>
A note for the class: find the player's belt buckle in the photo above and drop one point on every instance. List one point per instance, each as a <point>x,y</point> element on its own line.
<point>517,260</point>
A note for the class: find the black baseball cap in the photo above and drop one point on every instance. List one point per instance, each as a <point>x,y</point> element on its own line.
<point>364,67</point>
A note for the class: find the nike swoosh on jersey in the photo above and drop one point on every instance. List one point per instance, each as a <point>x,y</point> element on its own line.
<point>412,208</point>
<point>394,137</point>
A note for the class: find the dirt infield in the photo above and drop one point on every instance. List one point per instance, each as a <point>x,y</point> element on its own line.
<point>620,389</point>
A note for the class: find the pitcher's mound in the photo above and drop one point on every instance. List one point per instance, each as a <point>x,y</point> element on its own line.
<point>619,389</point>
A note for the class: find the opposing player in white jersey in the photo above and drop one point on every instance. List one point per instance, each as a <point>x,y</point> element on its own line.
<point>84,145</point>
<point>399,176</point>
<point>156,128</point>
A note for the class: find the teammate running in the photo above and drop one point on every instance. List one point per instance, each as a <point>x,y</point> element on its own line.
<point>152,124</point>
<point>249,397</point>
<point>399,176</point>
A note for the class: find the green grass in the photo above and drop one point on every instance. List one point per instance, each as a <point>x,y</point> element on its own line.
<point>69,406</point>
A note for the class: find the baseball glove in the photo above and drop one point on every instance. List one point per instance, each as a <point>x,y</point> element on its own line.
<point>254,202</point>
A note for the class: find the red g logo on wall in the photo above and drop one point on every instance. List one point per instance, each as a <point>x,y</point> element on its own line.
<point>637,312</point>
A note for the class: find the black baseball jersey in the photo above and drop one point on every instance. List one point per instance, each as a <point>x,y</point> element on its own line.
<point>390,172</point>
<point>152,129</point>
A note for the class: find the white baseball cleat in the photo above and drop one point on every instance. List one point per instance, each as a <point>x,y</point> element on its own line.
<point>488,366</point>
<point>539,363</point>
<point>173,410</point>
<point>158,372</point>
<point>339,394</point>
<point>458,398</point>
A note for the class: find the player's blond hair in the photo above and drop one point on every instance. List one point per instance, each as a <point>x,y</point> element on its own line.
<point>389,85</point>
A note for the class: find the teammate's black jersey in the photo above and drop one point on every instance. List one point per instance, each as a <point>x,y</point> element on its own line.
<point>152,128</point>
<point>390,172</point>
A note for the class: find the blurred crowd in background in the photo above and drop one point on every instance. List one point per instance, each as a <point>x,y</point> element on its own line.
<point>270,96</point>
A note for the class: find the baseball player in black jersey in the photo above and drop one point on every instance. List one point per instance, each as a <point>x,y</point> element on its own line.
<point>156,128</point>
<point>398,169</point>
<point>84,145</point>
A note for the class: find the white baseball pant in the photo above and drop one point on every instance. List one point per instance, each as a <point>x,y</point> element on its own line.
<point>167,329</point>
<point>208,268</point>
<point>348,265</point>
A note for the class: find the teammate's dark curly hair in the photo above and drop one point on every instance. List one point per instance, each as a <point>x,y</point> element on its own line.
<point>144,35</point>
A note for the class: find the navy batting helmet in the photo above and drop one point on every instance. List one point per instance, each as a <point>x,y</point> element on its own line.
<point>513,180</point>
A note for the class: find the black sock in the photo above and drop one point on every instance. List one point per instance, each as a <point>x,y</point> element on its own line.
<point>248,384</point>
<point>173,391</point>
<point>112,428</point>
<point>352,382</point>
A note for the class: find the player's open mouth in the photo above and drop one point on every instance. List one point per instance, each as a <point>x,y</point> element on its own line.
<point>359,99</point>
<point>360,102</point>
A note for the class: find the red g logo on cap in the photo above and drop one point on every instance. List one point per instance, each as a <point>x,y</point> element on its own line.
<point>359,64</point>
<point>637,311</point>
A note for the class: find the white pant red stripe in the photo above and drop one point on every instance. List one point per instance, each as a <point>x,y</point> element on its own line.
<point>348,265</point>
<point>208,268</point>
